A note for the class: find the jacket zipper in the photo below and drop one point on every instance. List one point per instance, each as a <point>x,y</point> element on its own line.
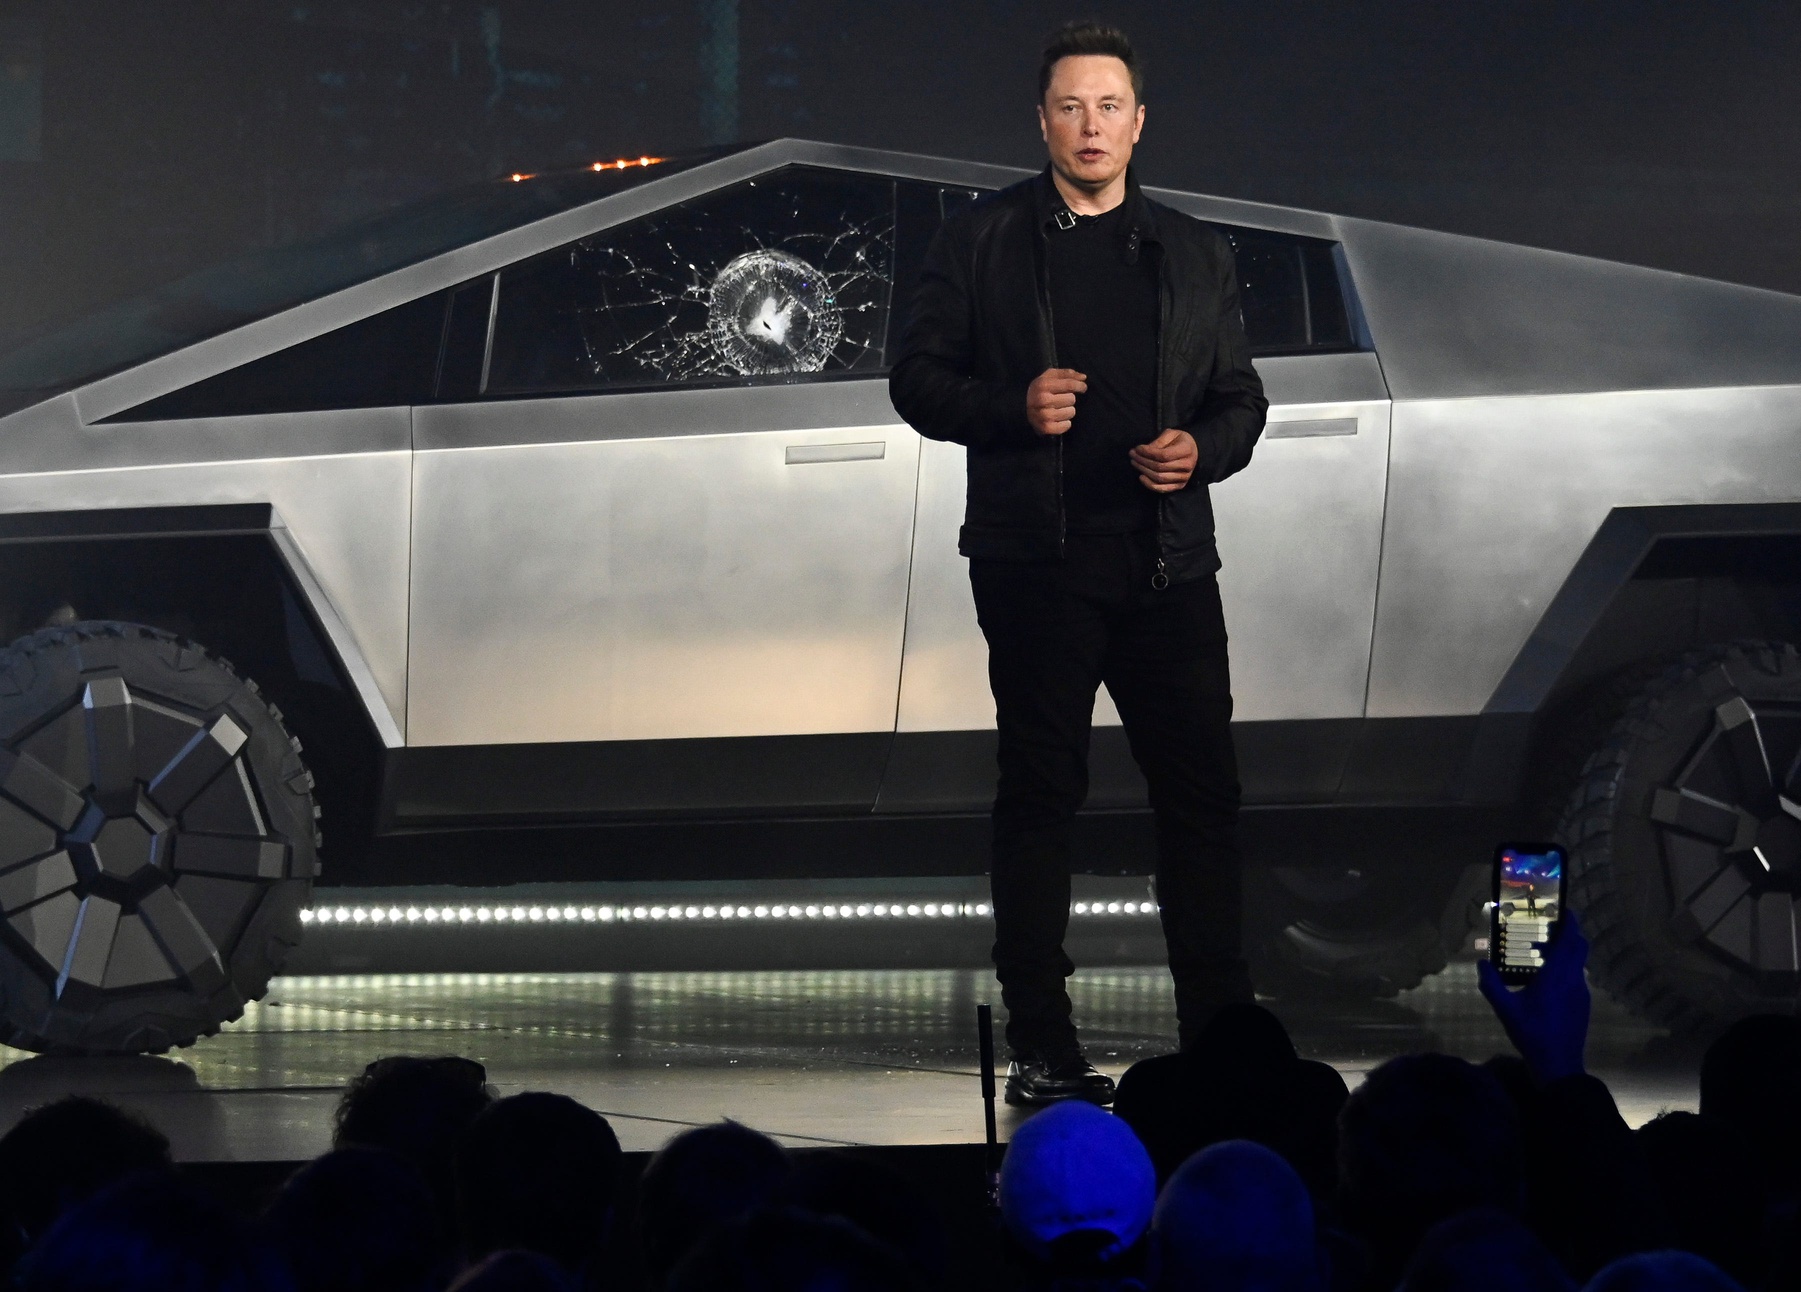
<point>1160,579</point>
<point>1050,338</point>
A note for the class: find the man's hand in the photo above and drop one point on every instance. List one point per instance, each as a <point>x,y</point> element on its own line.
<point>1051,399</point>
<point>1547,1019</point>
<point>1165,464</point>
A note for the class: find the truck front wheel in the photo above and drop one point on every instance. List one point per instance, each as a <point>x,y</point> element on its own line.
<point>158,840</point>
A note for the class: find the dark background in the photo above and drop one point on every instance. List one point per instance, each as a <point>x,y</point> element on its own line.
<point>140,139</point>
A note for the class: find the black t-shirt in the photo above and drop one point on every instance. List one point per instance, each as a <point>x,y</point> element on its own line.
<point>1104,317</point>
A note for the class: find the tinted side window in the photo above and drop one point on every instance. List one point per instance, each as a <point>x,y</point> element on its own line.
<point>385,360</point>
<point>919,210</point>
<point>784,275</point>
<point>1290,292</point>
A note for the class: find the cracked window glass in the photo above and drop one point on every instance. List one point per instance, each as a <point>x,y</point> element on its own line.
<point>780,277</point>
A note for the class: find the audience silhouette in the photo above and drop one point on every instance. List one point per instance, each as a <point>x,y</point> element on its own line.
<point>1077,1191</point>
<point>1236,1164</point>
<point>538,1172</point>
<point>1236,1215</point>
<point>698,1181</point>
<point>155,1231</point>
<point>360,1220</point>
<point>1484,1249</point>
<point>419,1108</point>
<point>62,1154</point>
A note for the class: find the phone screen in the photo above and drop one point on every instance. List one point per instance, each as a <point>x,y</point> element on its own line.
<point>1528,900</point>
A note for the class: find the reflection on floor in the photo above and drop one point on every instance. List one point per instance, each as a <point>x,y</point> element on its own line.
<point>814,1057</point>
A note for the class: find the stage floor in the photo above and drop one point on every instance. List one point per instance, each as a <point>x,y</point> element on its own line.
<point>814,1057</point>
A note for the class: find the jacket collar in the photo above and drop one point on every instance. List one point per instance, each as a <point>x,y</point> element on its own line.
<point>1047,202</point>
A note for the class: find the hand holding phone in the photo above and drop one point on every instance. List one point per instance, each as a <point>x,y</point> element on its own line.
<point>1547,1020</point>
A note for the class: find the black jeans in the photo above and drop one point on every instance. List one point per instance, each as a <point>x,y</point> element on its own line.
<point>1056,630</point>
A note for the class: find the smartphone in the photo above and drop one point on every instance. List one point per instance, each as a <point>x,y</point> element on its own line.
<point>1528,903</point>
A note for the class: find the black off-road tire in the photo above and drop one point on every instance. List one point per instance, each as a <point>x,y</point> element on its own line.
<point>1356,933</point>
<point>158,840</point>
<point>1684,834</point>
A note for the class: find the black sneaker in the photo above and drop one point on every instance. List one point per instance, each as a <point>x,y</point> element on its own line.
<point>1034,1080</point>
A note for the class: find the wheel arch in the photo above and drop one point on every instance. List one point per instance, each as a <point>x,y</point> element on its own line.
<point>232,578</point>
<point>1652,583</point>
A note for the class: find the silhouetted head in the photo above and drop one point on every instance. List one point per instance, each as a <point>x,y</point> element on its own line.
<point>418,1108</point>
<point>63,1153</point>
<point>1662,1272</point>
<point>698,1180</point>
<point>1236,1216</point>
<point>786,1248</point>
<point>1517,1080</point>
<point>154,1230</point>
<point>1751,1080</point>
<point>538,1171</point>
<point>1240,1079</point>
<point>516,1272</point>
<point>876,1199</point>
<point>1711,1188</point>
<point>1485,1250</point>
<point>1075,1170</point>
<point>1245,1036</point>
<point>1425,1137</point>
<point>359,1220</point>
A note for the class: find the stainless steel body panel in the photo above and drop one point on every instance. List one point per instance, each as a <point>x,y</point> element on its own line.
<point>345,517</point>
<point>1535,391</point>
<point>685,582</point>
<point>146,381</point>
<point>1456,317</point>
<point>53,438</point>
<point>637,415</point>
<point>1299,534</point>
<point>1491,502</point>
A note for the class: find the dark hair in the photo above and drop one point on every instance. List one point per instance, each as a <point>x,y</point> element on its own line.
<point>419,1108</point>
<point>881,1202</point>
<point>152,1230</point>
<point>1484,1250</point>
<point>64,1153</point>
<point>699,1180</point>
<point>1076,38</point>
<point>1712,1190</point>
<point>359,1220</point>
<point>537,1172</point>
<point>1424,1137</point>
<point>1751,1079</point>
<point>790,1248</point>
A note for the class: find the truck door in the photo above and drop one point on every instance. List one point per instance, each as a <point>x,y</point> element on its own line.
<point>660,551</point>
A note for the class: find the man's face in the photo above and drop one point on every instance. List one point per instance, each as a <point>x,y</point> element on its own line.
<point>1090,119</point>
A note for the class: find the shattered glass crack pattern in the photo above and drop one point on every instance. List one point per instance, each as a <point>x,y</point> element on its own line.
<point>784,275</point>
<point>772,312</point>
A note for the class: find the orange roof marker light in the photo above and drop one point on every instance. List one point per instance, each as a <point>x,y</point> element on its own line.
<point>623,162</point>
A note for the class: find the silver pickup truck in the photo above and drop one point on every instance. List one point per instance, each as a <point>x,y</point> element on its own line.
<point>576,502</point>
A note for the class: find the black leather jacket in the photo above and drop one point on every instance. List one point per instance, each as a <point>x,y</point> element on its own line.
<point>979,332</point>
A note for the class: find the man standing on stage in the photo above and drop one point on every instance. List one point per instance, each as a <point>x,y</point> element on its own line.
<point>1085,344</point>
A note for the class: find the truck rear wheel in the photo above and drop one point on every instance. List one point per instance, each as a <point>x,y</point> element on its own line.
<point>1355,932</point>
<point>1684,833</point>
<point>158,840</point>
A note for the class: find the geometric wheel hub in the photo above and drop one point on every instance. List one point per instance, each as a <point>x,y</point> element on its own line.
<point>122,856</point>
<point>1731,830</point>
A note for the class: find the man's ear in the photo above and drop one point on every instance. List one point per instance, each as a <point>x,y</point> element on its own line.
<point>1044,129</point>
<point>1137,129</point>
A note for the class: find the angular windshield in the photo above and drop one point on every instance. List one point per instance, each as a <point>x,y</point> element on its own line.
<point>225,296</point>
